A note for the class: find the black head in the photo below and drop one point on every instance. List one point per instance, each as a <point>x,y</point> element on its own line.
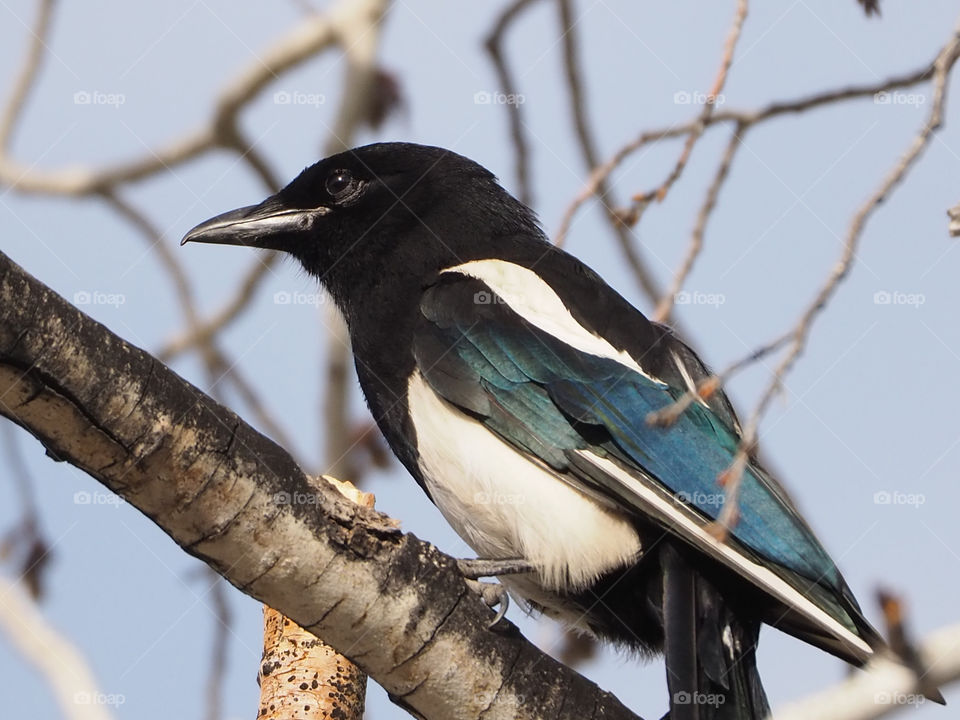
<point>383,215</point>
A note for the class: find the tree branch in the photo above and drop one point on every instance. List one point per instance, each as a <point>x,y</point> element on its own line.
<point>885,687</point>
<point>742,117</point>
<point>62,666</point>
<point>394,605</point>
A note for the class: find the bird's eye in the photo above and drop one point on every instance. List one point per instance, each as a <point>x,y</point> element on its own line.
<point>340,184</point>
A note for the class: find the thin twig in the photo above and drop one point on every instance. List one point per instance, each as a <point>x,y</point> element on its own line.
<point>664,308</point>
<point>666,416</point>
<point>221,644</point>
<point>227,314</point>
<point>26,78</point>
<point>587,145</point>
<point>168,260</point>
<point>362,45</point>
<point>62,667</point>
<point>801,331</point>
<point>744,117</point>
<point>494,46</point>
<point>302,43</point>
<point>700,124</point>
<point>217,364</point>
<point>24,544</point>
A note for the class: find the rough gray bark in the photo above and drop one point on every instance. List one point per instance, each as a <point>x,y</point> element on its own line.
<point>393,604</point>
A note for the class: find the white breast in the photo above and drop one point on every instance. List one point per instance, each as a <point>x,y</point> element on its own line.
<point>505,505</point>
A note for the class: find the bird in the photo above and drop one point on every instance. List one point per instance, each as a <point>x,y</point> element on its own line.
<point>516,387</point>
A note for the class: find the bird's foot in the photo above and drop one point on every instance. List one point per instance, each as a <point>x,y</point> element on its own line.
<point>494,595</point>
<point>476,568</point>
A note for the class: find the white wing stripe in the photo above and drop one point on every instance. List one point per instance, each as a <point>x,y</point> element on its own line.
<point>697,535</point>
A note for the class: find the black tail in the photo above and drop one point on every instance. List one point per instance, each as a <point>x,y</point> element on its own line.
<point>710,651</point>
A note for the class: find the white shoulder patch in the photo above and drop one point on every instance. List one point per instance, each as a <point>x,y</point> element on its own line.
<point>533,299</point>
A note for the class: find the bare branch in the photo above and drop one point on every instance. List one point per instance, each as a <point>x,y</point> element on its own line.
<point>217,364</point>
<point>226,315</point>
<point>642,200</point>
<point>585,140</point>
<point>26,78</point>
<point>221,641</point>
<point>309,37</point>
<point>662,312</point>
<point>731,479</point>
<point>745,118</point>
<point>942,66</point>
<point>62,666</point>
<point>394,605</point>
<point>24,545</point>
<point>494,46</point>
<point>885,687</point>
<point>301,677</point>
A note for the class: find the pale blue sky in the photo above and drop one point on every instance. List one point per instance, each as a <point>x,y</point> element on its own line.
<point>869,408</point>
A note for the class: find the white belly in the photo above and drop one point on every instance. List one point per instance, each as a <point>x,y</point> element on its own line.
<point>507,506</point>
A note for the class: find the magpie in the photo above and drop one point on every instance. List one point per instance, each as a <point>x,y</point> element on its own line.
<point>515,386</point>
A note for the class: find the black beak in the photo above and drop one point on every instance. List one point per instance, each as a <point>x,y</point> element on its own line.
<point>269,225</point>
